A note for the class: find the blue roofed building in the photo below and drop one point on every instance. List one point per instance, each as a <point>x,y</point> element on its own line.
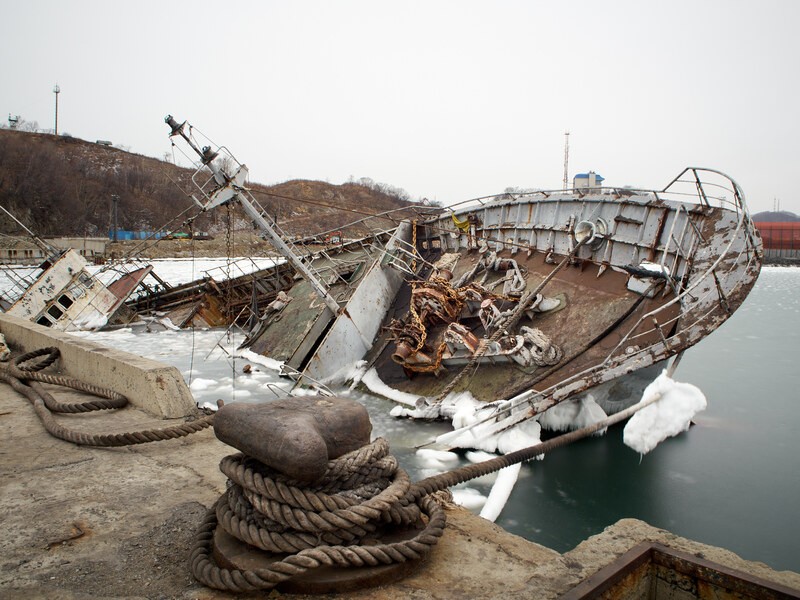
<point>587,181</point>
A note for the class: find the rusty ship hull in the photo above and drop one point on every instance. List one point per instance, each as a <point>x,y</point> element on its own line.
<point>543,296</point>
<point>531,297</point>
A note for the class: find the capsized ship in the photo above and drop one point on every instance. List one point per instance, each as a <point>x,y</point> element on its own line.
<point>539,297</point>
<point>532,297</point>
<point>62,294</point>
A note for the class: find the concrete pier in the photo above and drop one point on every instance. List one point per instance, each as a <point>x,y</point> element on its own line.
<point>154,387</point>
<point>82,522</point>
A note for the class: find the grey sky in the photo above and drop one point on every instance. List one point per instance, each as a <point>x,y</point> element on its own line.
<point>448,100</point>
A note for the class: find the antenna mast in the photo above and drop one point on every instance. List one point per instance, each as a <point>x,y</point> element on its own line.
<point>566,160</point>
<point>56,91</point>
<point>227,184</point>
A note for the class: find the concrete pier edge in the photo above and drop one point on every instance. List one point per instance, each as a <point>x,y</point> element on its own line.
<point>150,385</point>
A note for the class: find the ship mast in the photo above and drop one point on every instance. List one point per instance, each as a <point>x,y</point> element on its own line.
<point>230,187</point>
<point>566,160</point>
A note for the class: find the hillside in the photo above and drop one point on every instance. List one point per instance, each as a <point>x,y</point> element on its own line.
<point>64,186</point>
<point>781,216</point>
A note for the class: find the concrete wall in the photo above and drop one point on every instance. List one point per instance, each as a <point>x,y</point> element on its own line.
<point>86,246</point>
<point>148,384</point>
<point>21,256</point>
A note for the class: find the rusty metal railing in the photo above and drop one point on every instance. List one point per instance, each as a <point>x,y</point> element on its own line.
<point>737,264</point>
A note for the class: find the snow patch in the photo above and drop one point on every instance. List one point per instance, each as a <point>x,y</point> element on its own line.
<point>376,386</point>
<point>264,361</point>
<point>469,498</point>
<point>201,384</point>
<point>653,267</point>
<point>667,417</point>
<point>436,459</point>
<point>573,414</point>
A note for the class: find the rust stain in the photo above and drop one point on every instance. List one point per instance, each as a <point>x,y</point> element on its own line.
<point>78,531</point>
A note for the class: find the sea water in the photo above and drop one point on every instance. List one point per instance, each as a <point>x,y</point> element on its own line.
<point>732,480</point>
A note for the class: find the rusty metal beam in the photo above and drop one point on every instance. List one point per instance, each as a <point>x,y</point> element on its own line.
<point>648,560</point>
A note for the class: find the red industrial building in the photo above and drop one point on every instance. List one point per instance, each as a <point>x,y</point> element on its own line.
<point>781,239</point>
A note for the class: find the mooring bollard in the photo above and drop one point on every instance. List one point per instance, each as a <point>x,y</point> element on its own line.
<point>311,494</point>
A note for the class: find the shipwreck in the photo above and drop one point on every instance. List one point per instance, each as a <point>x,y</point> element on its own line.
<point>524,300</point>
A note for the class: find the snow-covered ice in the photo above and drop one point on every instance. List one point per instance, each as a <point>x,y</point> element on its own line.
<point>671,414</point>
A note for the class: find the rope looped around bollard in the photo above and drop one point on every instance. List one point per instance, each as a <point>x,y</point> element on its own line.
<point>365,495</point>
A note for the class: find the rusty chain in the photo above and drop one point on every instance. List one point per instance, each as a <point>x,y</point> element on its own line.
<point>229,234</point>
<point>524,303</point>
<point>455,299</point>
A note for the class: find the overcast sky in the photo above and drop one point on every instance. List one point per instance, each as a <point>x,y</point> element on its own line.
<point>448,100</point>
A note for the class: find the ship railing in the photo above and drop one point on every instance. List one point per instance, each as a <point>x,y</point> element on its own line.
<point>333,269</point>
<point>530,403</point>
<point>244,265</point>
<point>692,185</point>
<point>216,177</point>
<point>376,224</point>
<point>698,314</point>
<point>708,187</point>
<point>205,182</point>
<point>699,306</point>
<point>16,279</point>
<point>744,233</point>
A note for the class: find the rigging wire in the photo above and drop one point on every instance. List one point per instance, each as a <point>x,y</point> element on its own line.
<point>229,248</point>
<point>191,322</point>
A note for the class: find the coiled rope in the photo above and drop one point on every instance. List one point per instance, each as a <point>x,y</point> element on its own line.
<point>325,525</point>
<point>23,374</point>
<point>337,521</point>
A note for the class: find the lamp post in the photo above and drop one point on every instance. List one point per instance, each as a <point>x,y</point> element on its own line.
<point>56,91</point>
<point>114,205</point>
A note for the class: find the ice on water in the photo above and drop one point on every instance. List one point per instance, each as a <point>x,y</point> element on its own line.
<point>573,414</point>
<point>669,416</point>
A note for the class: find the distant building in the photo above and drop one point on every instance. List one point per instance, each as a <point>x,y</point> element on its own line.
<point>91,248</point>
<point>20,253</point>
<point>587,181</point>
<point>781,239</point>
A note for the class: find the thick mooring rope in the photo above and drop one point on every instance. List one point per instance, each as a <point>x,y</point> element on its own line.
<point>326,524</point>
<point>24,375</point>
<point>360,492</point>
<point>337,521</point>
